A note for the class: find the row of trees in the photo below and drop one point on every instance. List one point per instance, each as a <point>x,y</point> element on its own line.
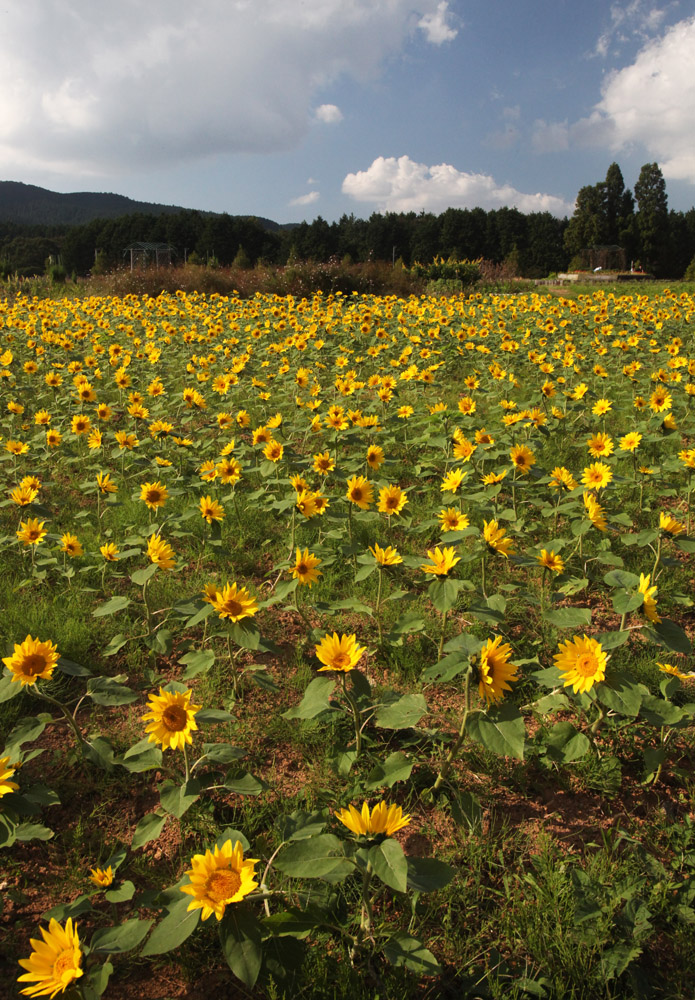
<point>532,245</point>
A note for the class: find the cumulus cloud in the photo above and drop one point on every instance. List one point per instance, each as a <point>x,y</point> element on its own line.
<point>402,185</point>
<point>550,137</point>
<point>305,199</point>
<point>329,114</point>
<point>93,88</point>
<point>436,25</point>
<point>650,103</point>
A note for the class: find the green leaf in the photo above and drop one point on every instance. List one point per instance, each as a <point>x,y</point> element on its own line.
<point>317,857</point>
<point>620,694</point>
<point>653,758</point>
<point>659,712</point>
<point>467,811</point>
<point>428,874</point>
<point>395,768</point>
<point>111,607</point>
<point>624,603</point>
<point>569,617</point>
<point>407,624</point>
<point>27,729</point>
<point>208,716</point>
<point>7,830</point>
<point>32,831</point>
<point>620,578</point>
<point>141,576</point>
<point>294,922</point>
<point>389,864</point>
<point>672,636</point>
<point>316,700</point>
<point>94,984</point>
<point>174,929</point>
<point>79,905</point>
<point>564,744</point>
<point>149,828</point>
<point>240,936</point>
<point>73,669</point>
<point>121,894</point>
<point>611,640</point>
<point>446,669</point>
<point>403,713</point>
<point>9,688</point>
<point>301,825</point>
<point>443,593</point>
<point>403,950</point>
<point>110,691</point>
<point>118,642</point>
<point>197,662</point>
<point>144,756</point>
<point>116,940</point>
<point>176,799</point>
<point>242,783</point>
<point>222,753</point>
<point>500,730</point>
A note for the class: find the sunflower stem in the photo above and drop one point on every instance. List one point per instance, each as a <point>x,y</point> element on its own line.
<point>185,761</point>
<point>355,714</point>
<point>658,557</point>
<point>446,766</point>
<point>378,606</point>
<point>440,650</point>
<point>82,743</point>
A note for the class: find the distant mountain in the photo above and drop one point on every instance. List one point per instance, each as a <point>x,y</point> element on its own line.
<point>27,204</point>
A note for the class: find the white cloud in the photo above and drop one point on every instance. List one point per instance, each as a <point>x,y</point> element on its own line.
<point>637,19</point>
<point>549,137</point>
<point>402,185</point>
<point>329,114</point>
<point>435,25</point>
<point>651,103</point>
<point>305,199</point>
<point>92,88</point>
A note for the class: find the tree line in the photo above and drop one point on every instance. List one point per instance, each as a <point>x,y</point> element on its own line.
<point>532,245</point>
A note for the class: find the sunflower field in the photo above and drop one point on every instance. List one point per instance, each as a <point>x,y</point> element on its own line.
<point>347,646</point>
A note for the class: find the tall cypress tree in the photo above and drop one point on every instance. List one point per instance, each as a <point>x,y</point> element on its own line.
<point>652,216</point>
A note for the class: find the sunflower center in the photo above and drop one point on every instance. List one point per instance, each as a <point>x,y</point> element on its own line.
<point>302,569</point>
<point>223,884</point>
<point>33,664</point>
<point>174,718</point>
<point>357,494</point>
<point>65,963</point>
<point>341,660</point>
<point>586,664</point>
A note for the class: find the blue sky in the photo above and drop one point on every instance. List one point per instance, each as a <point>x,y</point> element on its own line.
<point>291,109</point>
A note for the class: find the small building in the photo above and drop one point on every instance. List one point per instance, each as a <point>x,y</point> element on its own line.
<point>144,255</point>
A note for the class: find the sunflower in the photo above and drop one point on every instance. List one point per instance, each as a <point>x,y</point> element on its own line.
<point>386,557</point>
<point>211,510</point>
<point>54,963</point>
<point>32,660</point>
<point>660,400</point>
<point>443,561</point>
<point>562,479</point>
<point>23,495</point>
<point>392,500</point>
<point>594,511</point>
<point>173,719</point>
<point>495,670</point>
<point>668,668</point>
<point>6,772</point>
<point>523,458</point>
<point>160,552</point>
<point>360,491</point>
<point>492,478</point>
<point>229,471</point>
<point>494,537</point>
<point>109,551</point>
<point>451,519</point>
<point>16,447</point>
<point>53,438</point>
<point>105,483</point>
<point>339,653</point>
<point>218,878</point>
<point>154,494</point>
<point>323,463</point>
<point>464,449</point>
<point>630,442</point>
<point>81,424</point>
<point>597,476</point>
<point>306,503</point>
<point>670,526</point>
<point>101,877</point>
<point>304,569</point>
<point>649,598</point>
<point>383,819</point>
<point>581,662</point>
<point>375,456</point>
<point>31,531</point>
<point>273,451</point>
<point>551,561</point>
<point>452,480</point>
<point>600,445</point>
<point>70,545</point>
<point>234,603</point>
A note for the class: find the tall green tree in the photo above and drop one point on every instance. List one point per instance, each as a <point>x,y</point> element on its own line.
<point>652,216</point>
